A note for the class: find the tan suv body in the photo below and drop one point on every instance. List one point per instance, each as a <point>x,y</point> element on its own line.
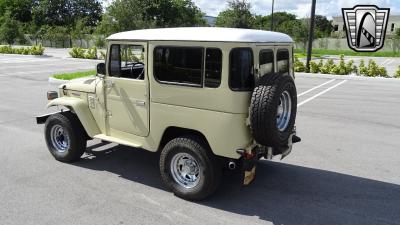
<point>179,85</point>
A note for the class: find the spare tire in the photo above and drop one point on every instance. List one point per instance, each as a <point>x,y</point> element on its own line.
<point>273,110</point>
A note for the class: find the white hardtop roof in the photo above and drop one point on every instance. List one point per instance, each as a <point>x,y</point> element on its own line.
<point>209,34</point>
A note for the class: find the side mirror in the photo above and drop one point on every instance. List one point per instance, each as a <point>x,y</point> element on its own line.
<point>101,69</point>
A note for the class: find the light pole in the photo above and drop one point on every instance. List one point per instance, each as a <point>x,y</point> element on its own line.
<point>311,34</point>
<point>272,16</point>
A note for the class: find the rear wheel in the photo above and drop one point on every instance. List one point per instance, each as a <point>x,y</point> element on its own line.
<point>65,137</point>
<point>189,169</point>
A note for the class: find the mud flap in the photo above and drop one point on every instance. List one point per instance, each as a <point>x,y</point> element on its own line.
<point>249,170</point>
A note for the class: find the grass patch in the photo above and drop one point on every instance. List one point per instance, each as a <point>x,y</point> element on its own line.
<point>320,52</point>
<point>70,76</point>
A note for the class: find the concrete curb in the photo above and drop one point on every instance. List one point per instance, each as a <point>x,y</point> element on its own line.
<point>27,56</point>
<point>344,77</point>
<point>88,60</point>
<point>53,80</point>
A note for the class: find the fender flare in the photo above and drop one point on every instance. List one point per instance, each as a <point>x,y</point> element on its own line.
<point>81,109</point>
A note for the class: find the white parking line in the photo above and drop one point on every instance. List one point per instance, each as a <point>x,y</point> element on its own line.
<point>387,62</point>
<point>321,93</point>
<point>312,89</point>
<point>384,62</point>
<point>390,62</point>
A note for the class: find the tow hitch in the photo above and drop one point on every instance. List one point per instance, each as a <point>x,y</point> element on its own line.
<point>251,157</point>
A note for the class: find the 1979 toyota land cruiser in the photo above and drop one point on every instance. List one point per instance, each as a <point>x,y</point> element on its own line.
<point>204,97</point>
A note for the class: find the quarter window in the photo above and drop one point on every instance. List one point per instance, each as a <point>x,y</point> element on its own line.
<point>266,62</point>
<point>180,65</point>
<point>213,68</point>
<point>127,61</point>
<point>241,69</point>
<point>283,61</point>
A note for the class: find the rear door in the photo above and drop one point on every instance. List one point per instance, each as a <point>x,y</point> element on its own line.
<point>127,90</point>
<point>275,59</point>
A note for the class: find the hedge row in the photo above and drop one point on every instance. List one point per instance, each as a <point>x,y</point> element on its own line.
<point>342,68</point>
<point>34,50</point>
<point>89,53</point>
<point>397,74</point>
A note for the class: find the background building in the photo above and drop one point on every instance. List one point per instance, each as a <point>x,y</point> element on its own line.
<point>339,29</point>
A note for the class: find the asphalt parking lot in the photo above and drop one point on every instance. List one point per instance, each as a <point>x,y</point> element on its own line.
<point>345,171</point>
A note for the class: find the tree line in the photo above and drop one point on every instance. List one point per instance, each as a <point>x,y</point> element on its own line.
<point>60,21</point>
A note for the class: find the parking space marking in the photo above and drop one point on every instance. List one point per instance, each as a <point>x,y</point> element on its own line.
<point>387,62</point>
<point>321,93</point>
<point>312,89</point>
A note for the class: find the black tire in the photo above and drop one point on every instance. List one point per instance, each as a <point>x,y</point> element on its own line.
<point>76,137</point>
<point>264,106</point>
<point>210,169</point>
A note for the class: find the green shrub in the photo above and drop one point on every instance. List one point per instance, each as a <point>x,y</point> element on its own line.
<point>298,65</point>
<point>350,67</point>
<point>77,52</point>
<point>320,64</point>
<point>37,50</point>
<point>6,49</point>
<point>102,55</point>
<point>341,68</point>
<point>397,74</point>
<point>326,69</point>
<point>91,53</point>
<point>374,70</point>
<point>26,51</point>
<point>81,53</point>
<point>362,70</point>
<point>34,50</point>
<point>314,67</point>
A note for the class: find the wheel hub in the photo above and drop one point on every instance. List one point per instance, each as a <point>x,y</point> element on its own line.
<point>59,138</point>
<point>185,170</point>
<point>284,111</point>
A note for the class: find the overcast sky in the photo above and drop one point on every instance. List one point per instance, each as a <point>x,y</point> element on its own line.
<point>301,8</point>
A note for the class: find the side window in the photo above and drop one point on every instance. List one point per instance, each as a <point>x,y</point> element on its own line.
<point>266,62</point>
<point>127,61</point>
<point>182,65</point>
<point>213,67</point>
<point>283,61</point>
<point>241,69</point>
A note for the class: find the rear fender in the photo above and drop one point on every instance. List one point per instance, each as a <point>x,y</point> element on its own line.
<point>81,109</point>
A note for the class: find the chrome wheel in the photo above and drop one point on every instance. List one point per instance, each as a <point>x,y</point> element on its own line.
<point>284,111</point>
<point>59,138</point>
<point>185,170</point>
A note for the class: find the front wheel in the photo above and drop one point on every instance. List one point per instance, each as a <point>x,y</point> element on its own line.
<point>189,169</point>
<point>65,137</point>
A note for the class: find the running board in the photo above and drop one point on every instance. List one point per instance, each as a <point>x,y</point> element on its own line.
<point>117,140</point>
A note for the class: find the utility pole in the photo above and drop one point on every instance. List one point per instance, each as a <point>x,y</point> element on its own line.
<point>311,34</point>
<point>272,16</point>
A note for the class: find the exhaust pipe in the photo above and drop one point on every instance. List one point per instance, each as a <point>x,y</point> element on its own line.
<point>232,165</point>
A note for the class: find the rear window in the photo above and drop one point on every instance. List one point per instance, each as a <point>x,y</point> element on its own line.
<point>180,65</point>
<point>213,68</point>
<point>283,61</point>
<point>266,62</point>
<point>241,69</point>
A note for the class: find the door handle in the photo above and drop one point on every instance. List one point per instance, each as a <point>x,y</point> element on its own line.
<point>140,103</point>
<point>109,83</point>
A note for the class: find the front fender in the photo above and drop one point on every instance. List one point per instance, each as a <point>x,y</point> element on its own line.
<point>81,109</point>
